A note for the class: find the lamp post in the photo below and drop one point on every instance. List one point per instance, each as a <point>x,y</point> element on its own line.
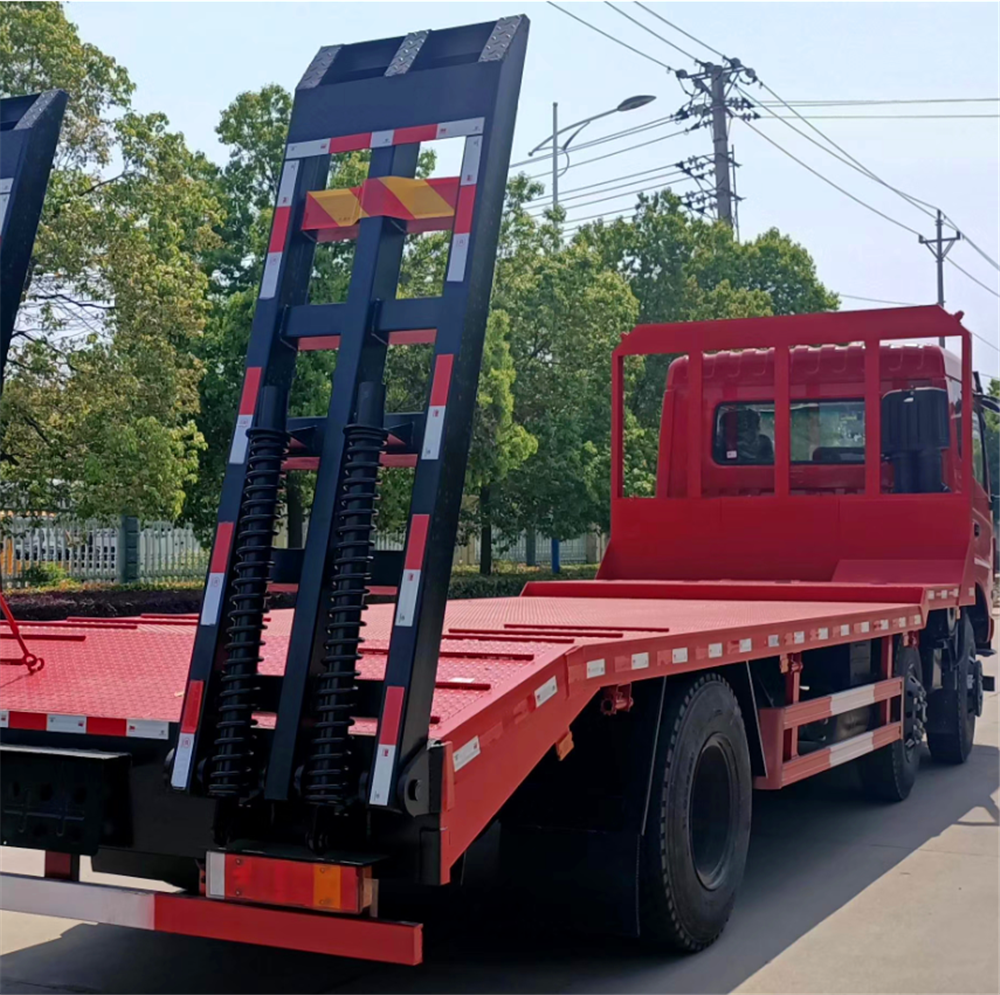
<point>629,104</point>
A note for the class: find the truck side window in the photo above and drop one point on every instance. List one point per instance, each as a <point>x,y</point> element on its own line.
<point>978,451</point>
<point>822,432</point>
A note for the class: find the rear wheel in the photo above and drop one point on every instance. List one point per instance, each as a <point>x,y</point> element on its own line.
<point>696,839</point>
<point>888,774</point>
<point>951,711</point>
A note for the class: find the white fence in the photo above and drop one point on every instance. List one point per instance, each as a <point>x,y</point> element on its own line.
<point>47,548</point>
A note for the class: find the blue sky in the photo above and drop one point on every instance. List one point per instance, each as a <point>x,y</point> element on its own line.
<point>190,60</point>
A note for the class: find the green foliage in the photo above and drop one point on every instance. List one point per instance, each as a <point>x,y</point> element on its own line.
<point>98,410</point>
<point>992,439</point>
<point>43,575</point>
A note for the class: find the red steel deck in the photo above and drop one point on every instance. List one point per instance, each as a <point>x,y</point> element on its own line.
<point>512,674</point>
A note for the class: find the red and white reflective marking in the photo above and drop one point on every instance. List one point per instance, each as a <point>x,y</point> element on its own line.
<point>640,661</point>
<point>409,585</point>
<point>84,725</point>
<point>595,668</point>
<point>434,428</point>
<point>188,915</point>
<point>545,692</point>
<point>185,740</point>
<point>244,419</point>
<point>216,586</point>
<point>679,654</point>
<point>385,751</point>
<point>5,188</point>
<point>279,230</point>
<point>385,138</point>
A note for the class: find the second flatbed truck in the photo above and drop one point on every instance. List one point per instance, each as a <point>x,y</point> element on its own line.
<point>808,587</point>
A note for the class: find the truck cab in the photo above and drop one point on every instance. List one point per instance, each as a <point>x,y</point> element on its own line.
<point>873,489</point>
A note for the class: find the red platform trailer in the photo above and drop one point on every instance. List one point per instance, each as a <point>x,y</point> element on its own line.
<point>808,587</point>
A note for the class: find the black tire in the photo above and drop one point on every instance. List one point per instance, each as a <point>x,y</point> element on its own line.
<point>890,773</point>
<point>698,830</point>
<point>951,711</point>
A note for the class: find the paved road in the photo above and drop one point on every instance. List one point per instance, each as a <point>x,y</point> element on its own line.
<point>840,896</point>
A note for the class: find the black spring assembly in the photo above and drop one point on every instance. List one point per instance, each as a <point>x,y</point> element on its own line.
<point>327,777</point>
<point>232,768</point>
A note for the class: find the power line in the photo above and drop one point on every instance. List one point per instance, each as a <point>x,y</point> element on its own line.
<point>857,200</point>
<point>617,41</point>
<point>966,238</point>
<point>885,117</point>
<point>628,148</point>
<point>662,172</point>
<point>866,102</point>
<point>877,300</point>
<point>618,10</point>
<point>601,200</point>
<point>670,24</point>
<point>972,278</point>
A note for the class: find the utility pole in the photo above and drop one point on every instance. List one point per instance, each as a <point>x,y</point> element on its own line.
<point>720,142</point>
<point>940,247</point>
<point>715,83</point>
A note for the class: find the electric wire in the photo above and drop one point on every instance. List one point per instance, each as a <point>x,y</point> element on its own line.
<point>660,172</point>
<point>948,259</point>
<point>686,34</point>
<point>617,41</point>
<point>866,103</point>
<point>846,193</point>
<point>618,10</point>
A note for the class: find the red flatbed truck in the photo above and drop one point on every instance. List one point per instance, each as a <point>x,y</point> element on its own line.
<point>808,586</point>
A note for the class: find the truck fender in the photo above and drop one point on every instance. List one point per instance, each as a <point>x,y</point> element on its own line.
<point>740,680</point>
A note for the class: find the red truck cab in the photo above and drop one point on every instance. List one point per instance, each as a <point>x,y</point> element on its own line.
<point>869,490</point>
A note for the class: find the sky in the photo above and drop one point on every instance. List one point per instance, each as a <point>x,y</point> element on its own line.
<point>191,60</point>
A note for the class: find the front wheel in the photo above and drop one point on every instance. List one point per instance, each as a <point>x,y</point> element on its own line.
<point>951,711</point>
<point>696,839</point>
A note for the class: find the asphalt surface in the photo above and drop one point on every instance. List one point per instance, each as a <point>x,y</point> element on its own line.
<point>841,895</point>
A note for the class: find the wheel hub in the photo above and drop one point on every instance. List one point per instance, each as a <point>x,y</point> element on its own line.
<point>914,711</point>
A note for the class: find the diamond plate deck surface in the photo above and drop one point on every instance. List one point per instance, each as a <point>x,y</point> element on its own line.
<point>495,646</point>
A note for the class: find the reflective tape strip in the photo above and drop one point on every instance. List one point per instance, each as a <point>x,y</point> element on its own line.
<point>286,186</point>
<point>917,620</point>
<point>406,600</point>
<point>457,129</point>
<point>215,875</point>
<point>381,139</point>
<point>212,599</point>
<point>844,701</point>
<point>418,133</point>
<point>433,432</point>
<point>463,210</point>
<point>679,655</point>
<point>238,450</point>
<point>863,627</point>
<point>901,621</point>
<point>4,718</point>
<point>350,143</point>
<point>470,160</point>
<point>714,650</point>
<point>773,641</point>
<point>545,692</point>
<point>5,188</point>
<point>66,723</point>
<point>464,754</point>
<point>823,633</point>
<point>798,637</point>
<point>7,185</point>
<point>443,365</point>
<point>596,668</point>
<point>883,624</point>
<point>147,729</point>
<point>302,150</point>
<point>930,595</point>
<point>640,661</point>
<point>458,257</point>
<point>849,749</point>
<point>269,282</point>
<point>746,645</point>
<point>385,757</point>
<point>73,900</point>
<point>182,760</point>
<point>845,630</point>
<point>279,229</point>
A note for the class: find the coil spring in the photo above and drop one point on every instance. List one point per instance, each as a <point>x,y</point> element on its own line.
<point>327,769</point>
<point>232,766</point>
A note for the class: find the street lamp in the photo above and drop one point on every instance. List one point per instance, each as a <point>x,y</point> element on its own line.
<point>629,104</point>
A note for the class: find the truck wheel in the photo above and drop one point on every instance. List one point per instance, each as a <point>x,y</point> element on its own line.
<point>951,711</point>
<point>889,774</point>
<point>698,829</point>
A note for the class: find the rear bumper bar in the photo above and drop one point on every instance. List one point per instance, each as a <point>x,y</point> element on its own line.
<point>315,932</point>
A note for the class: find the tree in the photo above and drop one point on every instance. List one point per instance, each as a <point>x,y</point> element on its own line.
<point>992,441</point>
<point>98,411</point>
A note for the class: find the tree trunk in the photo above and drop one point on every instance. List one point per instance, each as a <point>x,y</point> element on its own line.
<point>485,532</point>
<point>531,548</point>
